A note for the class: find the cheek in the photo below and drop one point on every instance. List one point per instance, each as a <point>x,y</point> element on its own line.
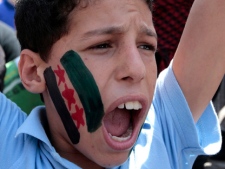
<point>151,69</point>
<point>86,88</point>
<point>77,112</point>
<point>69,96</point>
<point>60,105</point>
<point>151,76</point>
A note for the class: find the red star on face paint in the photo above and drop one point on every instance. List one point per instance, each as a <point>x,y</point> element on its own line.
<point>68,95</point>
<point>60,73</point>
<point>78,116</point>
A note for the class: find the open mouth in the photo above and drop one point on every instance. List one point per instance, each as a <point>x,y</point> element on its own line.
<point>122,125</point>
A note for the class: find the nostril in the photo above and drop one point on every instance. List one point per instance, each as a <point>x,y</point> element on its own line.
<point>125,78</point>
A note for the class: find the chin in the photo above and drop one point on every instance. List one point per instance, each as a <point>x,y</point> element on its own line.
<point>113,160</point>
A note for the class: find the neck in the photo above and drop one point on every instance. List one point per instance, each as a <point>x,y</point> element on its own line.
<point>69,152</point>
<point>66,149</point>
<point>80,160</point>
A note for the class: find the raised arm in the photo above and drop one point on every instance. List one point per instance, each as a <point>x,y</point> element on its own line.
<point>199,62</point>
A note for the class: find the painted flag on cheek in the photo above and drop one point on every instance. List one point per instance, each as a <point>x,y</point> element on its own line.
<point>60,106</point>
<point>86,88</point>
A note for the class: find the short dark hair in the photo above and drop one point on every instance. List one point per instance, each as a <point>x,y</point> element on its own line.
<point>40,23</point>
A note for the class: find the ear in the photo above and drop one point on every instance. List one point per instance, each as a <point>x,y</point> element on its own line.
<point>31,69</point>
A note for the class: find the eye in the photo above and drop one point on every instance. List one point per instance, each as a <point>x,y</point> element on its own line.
<point>148,47</point>
<point>101,46</point>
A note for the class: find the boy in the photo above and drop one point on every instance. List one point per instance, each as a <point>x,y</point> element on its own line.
<point>93,62</point>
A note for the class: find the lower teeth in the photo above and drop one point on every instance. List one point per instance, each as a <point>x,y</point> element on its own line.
<point>124,137</point>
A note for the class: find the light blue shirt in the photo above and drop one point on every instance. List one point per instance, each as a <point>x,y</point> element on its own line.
<point>169,139</point>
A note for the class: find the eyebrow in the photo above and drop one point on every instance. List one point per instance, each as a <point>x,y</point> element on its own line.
<point>105,31</point>
<point>116,30</point>
<point>148,31</point>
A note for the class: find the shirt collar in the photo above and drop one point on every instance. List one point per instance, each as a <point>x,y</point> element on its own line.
<point>33,125</point>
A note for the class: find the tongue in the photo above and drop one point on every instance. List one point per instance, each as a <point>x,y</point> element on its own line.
<point>117,122</point>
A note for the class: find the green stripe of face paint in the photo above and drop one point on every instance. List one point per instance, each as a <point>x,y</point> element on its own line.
<point>86,88</point>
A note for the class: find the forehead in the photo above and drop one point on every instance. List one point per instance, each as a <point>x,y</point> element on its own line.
<point>106,12</point>
<point>85,3</point>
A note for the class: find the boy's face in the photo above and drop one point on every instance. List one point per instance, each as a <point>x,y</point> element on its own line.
<point>116,41</point>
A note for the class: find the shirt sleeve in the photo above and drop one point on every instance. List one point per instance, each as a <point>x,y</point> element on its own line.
<point>183,138</point>
<point>11,117</point>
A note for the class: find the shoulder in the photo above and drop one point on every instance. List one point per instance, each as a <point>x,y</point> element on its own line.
<point>11,117</point>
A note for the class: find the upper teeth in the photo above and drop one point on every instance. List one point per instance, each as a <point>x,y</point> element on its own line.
<point>134,105</point>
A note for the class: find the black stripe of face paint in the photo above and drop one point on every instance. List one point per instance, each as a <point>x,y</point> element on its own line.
<point>86,88</point>
<point>60,106</point>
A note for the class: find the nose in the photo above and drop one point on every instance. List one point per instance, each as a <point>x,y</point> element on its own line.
<point>130,65</point>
